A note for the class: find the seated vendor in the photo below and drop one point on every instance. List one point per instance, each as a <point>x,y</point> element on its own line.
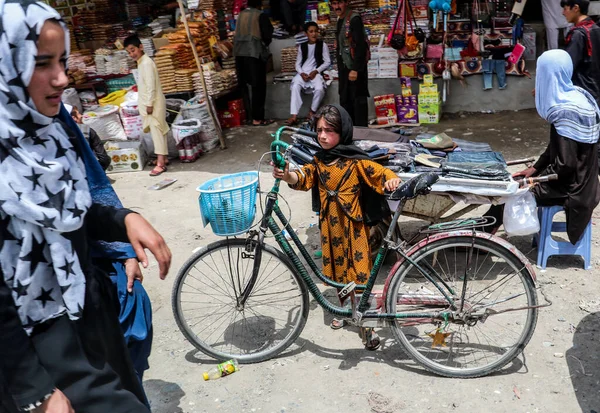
<point>92,137</point>
<point>313,58</point>
<point>572,151</point>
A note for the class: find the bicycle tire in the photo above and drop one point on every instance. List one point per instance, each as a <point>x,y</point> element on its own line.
<point>261,328</point>
<point>409,286</point>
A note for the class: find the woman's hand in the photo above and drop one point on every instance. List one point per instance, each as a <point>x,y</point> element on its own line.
<point>392,184</point>
<point>353,75</point>
<point>143,236</point>
<point>57,403</point>
<point>525,173</point>
<point>134,272</point>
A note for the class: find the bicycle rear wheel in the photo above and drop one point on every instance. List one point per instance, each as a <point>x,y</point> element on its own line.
<point>206,309</point>
<point>467,344</point>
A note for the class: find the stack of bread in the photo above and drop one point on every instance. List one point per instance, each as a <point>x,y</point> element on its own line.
<point>165,64</point>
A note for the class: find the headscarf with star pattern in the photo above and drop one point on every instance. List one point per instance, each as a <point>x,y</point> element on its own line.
<point>43,188</point>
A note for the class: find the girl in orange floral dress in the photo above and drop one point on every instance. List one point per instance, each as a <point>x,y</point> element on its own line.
<point>339,170</point>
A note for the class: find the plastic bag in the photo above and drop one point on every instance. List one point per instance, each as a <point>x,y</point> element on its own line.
<point>520,215</point>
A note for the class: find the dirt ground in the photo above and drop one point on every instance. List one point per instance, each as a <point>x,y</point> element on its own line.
<point>329,371</point>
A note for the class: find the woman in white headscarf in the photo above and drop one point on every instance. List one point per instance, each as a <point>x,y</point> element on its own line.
<point>62,349</point>
<point>572,151</point>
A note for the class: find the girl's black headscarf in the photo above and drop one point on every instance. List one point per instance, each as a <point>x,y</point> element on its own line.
<point>345,149</point>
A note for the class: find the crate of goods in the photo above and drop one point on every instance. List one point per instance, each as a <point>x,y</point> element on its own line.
<point>106,122</point>
<point>125,156</point>
<point>120,83</point>
<point>228,203</point>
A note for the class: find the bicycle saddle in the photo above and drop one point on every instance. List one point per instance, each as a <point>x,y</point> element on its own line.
<point>419,185</point>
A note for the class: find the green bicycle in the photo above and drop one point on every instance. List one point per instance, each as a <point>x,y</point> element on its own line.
<point>461,303</point>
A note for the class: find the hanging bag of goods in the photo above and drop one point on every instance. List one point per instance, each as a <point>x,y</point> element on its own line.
<point>397,38</point>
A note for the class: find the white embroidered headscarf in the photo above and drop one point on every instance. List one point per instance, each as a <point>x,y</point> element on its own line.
<point>43,188</point>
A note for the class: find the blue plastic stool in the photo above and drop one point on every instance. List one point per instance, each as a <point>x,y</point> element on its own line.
<point>548,246</point>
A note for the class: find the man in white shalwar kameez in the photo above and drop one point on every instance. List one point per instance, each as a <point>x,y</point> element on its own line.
<point>151,102</point>
<point>554,21</point>
<point>313,58</point>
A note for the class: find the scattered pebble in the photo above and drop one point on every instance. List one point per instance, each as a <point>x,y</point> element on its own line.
<point>548,344</point>
<point>559,355</point>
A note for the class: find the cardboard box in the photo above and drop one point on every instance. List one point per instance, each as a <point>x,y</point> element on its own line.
<point>423,88</point>
<point>429,112</point>
<point>160,41</point>
<point>385,109</point>
<point>408,69</point>
<point>125,156</point>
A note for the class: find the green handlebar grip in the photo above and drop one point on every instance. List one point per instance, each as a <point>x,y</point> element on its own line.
<point>277,156</point>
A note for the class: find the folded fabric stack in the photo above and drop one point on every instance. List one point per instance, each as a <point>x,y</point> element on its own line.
<point>184,80</point>
<point>82,60</point>
<point>137,10</point>
<point>123,63</point>
<point>100,59</point>
<point>159,24</point>
<point>288,59</point>
<point>228,63</point>
<point>148,46</point>
<point>357,5</point>
<point>197,79</point>
<point>76,76</point>
<point>300,38</point>
<point>279,32</point>
<point>166,66</point>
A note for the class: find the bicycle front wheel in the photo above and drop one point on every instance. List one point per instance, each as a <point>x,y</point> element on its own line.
<point>478,336</point>
<point>205,302</point>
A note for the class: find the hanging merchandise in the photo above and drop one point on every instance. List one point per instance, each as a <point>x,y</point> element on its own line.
<point>395,38</point>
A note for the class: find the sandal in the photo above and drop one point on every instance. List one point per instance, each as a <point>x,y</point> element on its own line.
<point>370,339</point>
<point>153,162</point>
<point>291,122</point>
<point>158,170</point>
<point>263,122</point>
<point>337,323</point>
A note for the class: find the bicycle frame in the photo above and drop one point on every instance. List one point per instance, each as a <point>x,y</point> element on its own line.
<point>268,223</point>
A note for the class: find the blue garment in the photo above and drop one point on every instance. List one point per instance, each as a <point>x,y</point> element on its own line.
<point>476,157</point>
<point>572,110</point>
<point>136,312</point>
<point>494,66</point>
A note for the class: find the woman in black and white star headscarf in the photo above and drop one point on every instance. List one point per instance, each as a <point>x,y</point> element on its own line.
<point>61,343</point>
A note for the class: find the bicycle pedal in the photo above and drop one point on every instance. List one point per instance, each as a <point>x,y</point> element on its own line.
<point>347,290</point>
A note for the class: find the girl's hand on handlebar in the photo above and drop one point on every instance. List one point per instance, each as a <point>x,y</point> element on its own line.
<point>392,184</point>
<point>284,174</point>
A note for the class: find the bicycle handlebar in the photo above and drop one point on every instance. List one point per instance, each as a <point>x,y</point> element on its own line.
<point>278,146</point>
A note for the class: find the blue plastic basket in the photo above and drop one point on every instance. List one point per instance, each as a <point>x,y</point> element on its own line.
<point>228,203</point>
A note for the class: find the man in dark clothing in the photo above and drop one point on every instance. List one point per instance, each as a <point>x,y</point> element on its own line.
<point>253,34</point>
<point>92,138</point>
<point>352,51</point>
<point>583,45</point>
<point>293,14</point>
